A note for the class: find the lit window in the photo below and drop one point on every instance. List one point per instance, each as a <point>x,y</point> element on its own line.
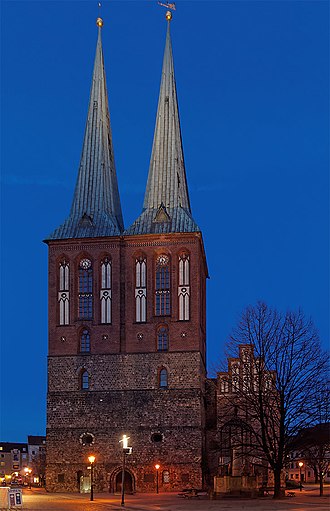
<point>162,339</point>
<point>63,292</point>
<point>163,379</point>
<point>84,380</point>
<point>184,288</point>
<point>140,289</point>
<point>105,293</point>
<point>85,341</point>
<point>85,289</point>
<point>166,476</point>
<point>162,288</point>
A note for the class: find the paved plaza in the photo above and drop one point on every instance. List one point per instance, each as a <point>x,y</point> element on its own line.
<point>37,500</point>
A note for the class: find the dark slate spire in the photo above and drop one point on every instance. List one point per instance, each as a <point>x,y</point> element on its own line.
<point>166,206</point>
<point>96,209</point>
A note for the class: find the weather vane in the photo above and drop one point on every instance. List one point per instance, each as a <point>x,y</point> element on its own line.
<point>99,20</point>
<point>168,6</point>
<point>168,14</point>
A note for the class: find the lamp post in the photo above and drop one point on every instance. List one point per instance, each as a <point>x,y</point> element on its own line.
<point>91,460</point>
<point>157,467</point>
<point>28,476</point>
<point>126,450</point>
<point>301,464</point>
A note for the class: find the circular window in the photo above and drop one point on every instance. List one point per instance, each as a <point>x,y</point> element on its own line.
<point>87,439</point>
<point>157,438</point>
<point>85,264</point>
<point>162,260</point>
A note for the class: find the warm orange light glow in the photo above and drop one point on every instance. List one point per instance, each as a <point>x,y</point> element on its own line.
<point>91,459</point>
<point>300,464</point>
<point>157,467</point>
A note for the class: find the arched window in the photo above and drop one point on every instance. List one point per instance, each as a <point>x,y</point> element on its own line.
<point>162,339</point>
<point>85,289</point>
<point>140,289</point>
<point>105,293</point>
<point>163,286</point>
<point>184,287</point>
<point>224,386</point>
<point>85,341</point>
<point>84,380</point>
<point>163,378</point>
<point>63,293</point>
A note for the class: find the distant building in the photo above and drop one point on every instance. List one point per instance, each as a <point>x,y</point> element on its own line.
<point>308,474</point>
<point>14,459</point>
<point>37,458</point>
<point>311,449</point>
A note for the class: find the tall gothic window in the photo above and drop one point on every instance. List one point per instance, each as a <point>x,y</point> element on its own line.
<point>63,294</point>
<point>162,288</point>
<point>162,339</point>
<point>85,289</point>
<point>163,378</point>
<point>84,380</point>
<point>105,292</point>
<point>140,289</point>
<point>184,288</point>
<point>85,341</point>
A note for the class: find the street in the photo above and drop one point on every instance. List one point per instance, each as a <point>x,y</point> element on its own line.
<point>35,500</point>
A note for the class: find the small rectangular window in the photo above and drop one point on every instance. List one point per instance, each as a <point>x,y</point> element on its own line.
<point>60,478</point>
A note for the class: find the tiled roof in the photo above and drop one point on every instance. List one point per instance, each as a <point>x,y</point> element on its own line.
<point>179,220</point>
<point>167,183</point>
<point>9,446</point>
<point>36,440</point>
<point>96,209</point>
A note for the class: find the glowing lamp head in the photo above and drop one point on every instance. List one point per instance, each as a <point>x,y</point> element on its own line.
<point>168,15</point>
<point>125,441</point>
<point>91,459</point>
<point>99,22</point>
<point>300,464</point>
<point>157,467</point>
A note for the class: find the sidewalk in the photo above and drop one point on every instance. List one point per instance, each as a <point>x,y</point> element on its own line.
<point>37,500</point>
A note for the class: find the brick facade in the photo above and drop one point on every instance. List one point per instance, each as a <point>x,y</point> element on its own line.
<point>124,396</point>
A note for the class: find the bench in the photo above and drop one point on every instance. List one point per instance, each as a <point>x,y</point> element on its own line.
<point>291,494</point>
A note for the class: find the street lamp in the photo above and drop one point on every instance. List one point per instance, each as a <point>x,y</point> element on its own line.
<point>157,467</point>
<point>301,464</point>
<point>28,475</point>
<point>126,450</point>
<point>91,460</point>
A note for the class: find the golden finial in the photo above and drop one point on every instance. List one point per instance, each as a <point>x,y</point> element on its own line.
<point>168,15</point>
<point>99,22</point>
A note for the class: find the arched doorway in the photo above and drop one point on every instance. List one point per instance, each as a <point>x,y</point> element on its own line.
<point>79,476</point>
<point>128,482</point>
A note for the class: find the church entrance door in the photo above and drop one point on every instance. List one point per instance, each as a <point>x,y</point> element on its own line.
<point>128,482</point>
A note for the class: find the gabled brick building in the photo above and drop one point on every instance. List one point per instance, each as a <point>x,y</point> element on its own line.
<point>127,315</point>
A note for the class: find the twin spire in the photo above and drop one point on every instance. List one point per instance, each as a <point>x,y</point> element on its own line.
<point>96,209</point>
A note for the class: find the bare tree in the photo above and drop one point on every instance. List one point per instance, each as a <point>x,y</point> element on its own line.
<point>276,387</point>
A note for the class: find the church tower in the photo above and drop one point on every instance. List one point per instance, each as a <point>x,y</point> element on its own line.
<point>127,316</point>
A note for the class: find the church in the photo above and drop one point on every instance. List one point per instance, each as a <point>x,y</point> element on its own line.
<point>127,316</point>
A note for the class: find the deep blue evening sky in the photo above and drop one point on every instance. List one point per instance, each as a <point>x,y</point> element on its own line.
<point>253,90</point>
